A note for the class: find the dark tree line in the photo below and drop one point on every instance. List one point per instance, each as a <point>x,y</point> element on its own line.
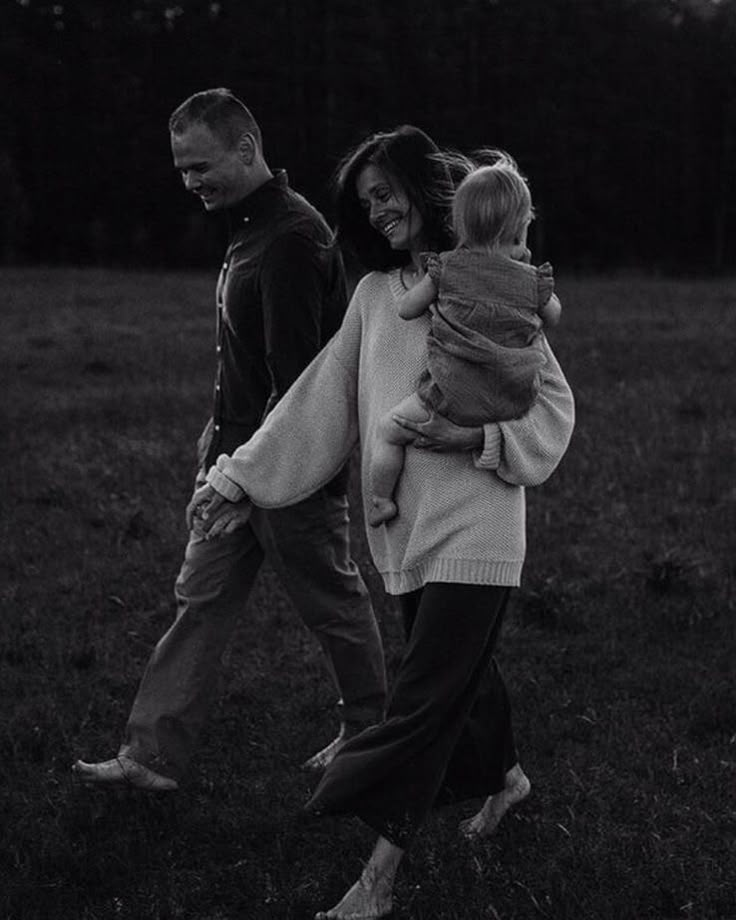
<point>621,112</point>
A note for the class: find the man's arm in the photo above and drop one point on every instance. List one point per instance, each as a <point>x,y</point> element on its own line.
<point>293,290</point>
<point>308,437</point>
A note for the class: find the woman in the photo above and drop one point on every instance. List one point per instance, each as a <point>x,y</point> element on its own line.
<point>453,553</point>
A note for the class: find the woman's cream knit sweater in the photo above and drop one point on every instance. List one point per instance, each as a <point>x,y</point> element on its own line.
<point>461,515</point>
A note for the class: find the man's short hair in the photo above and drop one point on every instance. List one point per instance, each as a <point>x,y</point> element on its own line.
<point>221,111</point>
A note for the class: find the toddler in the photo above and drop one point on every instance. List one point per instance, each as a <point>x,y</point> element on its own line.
<point>487,307</point>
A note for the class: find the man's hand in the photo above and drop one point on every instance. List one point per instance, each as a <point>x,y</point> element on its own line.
<point>199,501</point>
<point>210,515</point>
<point>440,434</point>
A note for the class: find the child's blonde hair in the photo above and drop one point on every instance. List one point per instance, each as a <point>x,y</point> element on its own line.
<point>492,204</point>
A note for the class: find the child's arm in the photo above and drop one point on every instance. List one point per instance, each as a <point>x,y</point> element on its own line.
<point>551,312</point>
<point>417,300</point>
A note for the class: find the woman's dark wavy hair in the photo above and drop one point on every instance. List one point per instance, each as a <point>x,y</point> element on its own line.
<point>409,157</point>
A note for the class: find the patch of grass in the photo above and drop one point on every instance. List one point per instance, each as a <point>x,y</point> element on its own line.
<point>618,653</point>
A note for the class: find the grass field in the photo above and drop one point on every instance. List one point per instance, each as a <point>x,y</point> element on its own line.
<point>620,652</point>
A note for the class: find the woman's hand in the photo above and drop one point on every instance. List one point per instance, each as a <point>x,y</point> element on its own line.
<point>210,515</point>
<point>440,434</point>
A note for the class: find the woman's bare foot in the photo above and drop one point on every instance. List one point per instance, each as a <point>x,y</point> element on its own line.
<point>322,759</point>
<point>381,510</point>
<point>123,771</point>
<point>485,822</point>
<point>364,901</point>
<point>371,897</point>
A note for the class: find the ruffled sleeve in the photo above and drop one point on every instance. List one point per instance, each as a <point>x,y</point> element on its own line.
<point>545,283</point>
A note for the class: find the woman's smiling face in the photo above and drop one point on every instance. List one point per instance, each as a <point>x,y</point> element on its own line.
<point>388,209</point>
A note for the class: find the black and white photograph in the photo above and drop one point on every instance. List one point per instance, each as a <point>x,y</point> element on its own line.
<point>368,393</point>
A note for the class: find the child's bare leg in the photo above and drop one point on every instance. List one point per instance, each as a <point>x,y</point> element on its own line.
<point>371,897</point>
<point>386,465</point>
<point>388,458</point>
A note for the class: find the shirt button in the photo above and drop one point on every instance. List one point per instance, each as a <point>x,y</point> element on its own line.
<point>218,349</point>
<point>217,387</point>
<point>217,427</point>
<point>246,220</point>
<point>224,265</point>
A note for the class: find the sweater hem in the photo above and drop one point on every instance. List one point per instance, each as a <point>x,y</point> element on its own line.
<point>505,573</point>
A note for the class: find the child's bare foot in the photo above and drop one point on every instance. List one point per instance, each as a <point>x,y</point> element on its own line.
<point>369,899</point>
<point>123,771</point>
<point>381,510</point>
<point>485,822</point>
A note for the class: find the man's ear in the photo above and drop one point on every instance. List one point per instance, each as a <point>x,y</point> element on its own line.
<point>247,149</point>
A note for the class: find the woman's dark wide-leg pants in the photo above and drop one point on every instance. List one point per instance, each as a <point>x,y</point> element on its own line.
<point>447,734</point>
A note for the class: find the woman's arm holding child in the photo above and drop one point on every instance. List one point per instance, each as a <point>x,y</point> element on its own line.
<point>523,451</point>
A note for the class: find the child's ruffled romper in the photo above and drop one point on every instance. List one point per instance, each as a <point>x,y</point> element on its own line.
<point>484,345</point>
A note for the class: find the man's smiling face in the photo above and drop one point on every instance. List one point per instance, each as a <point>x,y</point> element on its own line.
<point>208,168</point>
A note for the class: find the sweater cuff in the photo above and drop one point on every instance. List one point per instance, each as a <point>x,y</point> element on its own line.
<point>490,457</point>
<point>224,486</point>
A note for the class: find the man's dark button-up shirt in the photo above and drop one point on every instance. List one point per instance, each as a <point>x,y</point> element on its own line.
<point>280,296</point>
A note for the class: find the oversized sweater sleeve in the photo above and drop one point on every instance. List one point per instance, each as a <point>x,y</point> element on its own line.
<point>526,451</point>
<point>309,435</point>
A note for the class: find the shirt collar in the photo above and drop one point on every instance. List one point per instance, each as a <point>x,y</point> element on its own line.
<point>258,202</point>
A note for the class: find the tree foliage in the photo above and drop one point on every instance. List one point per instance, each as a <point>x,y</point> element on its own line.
<point>622,113</point>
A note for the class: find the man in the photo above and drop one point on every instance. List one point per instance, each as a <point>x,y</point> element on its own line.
<point>281,295</point>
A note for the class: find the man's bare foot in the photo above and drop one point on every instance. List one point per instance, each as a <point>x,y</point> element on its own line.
<point>123,771</point>
<point>369,899</point>
<point>381,510</point>
<point>322,759</point>
<point>485,822</point>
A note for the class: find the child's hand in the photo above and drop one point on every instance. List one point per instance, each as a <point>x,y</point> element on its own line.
<point>551,312</point>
